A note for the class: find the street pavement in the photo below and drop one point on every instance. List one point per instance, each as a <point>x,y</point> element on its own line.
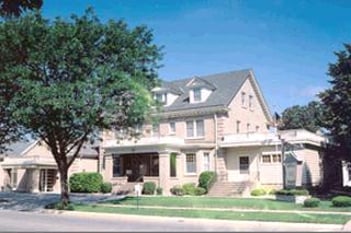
<point>29,208</point>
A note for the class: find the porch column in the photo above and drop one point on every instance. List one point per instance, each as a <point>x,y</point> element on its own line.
<point>164,171</point>
<point>35,181</point>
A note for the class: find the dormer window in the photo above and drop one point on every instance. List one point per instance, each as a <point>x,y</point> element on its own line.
<point>197,94</point>
<point>161,97</point>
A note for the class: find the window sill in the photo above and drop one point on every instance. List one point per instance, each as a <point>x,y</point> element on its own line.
<point>190,174</point>
<point>195,138</point>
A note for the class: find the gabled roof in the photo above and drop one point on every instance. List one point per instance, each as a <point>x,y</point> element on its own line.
<point>19,148</point>
<point>224,86</point>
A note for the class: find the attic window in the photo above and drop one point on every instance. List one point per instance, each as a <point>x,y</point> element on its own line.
<point>197,94</point>
<point>161,97</point>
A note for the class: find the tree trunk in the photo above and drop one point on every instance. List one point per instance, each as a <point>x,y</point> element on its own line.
<point>64,185</point>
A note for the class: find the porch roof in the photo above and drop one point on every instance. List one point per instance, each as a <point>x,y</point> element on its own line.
<point>29,162</point>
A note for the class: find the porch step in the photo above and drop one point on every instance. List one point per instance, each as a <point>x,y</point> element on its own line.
<point>228,189</point>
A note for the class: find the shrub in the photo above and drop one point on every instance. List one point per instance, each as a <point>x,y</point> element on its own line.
<point>206,179</point>
<point>311,202</point>
<point>177,190</point>
<point>292,192</point>
<point>106,187</point>
<point>189,189</point>
<point>341,201</point>
<point>85,182</point>
<point>159,191</point>
<point>59,206</point>
<point>149,188</point>
<point>272,192</point>
<point>199,191</point>
<point>258,192</point>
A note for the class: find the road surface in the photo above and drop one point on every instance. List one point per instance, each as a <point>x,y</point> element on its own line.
<point>84,222</point>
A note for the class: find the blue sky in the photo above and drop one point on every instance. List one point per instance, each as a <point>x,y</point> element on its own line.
<point>288,44</point>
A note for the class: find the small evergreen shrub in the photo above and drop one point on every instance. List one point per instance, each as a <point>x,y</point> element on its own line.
<point>59,206</point>
<point>292,192</point>
<point>206,179</point>
<point>85,182</point>
<point>106,187</point>
<point>200,191</point>
<point>341,201</point>
<point>311,202</point>
<point>189,189</point>
<point>159,191</point>
<point>272,192</point>
<point>177,190</point>
<point>258,192</point>
<point>149,188</point>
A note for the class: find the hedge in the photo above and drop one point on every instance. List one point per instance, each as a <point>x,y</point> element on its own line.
<point>292,192</point>
<point>177,190</point>
<point>85,182</point>
<point>206,179</point>
<point>258,192</point>
<point>311,202</point>
<point>149,188</point>
<point>106,187</point>
<point>341,201</point>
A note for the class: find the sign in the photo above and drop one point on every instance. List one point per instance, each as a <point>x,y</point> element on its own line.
<point>137,189</point>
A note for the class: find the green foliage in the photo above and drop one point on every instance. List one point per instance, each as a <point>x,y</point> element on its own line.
<point>59,206</point>
<point>149,188</point>
<point>308,117</point>
<point>189,189</point>
<point>86,182</point>
<point>272,192</point>
<point>9,8</point>
<point>64,81</point>
<point>311,202</point>
<point>258,192</point>
<point>206,179</point>
<point>159,191</point>
<point>337,99</point>
<point>106,187</point>
<point>292,192</point>
<point>200,191</point>
<point>177,190</point>
<point>341,201</point>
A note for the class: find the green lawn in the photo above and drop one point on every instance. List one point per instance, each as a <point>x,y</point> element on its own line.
<point>213,202</point>
<point>228,215</point>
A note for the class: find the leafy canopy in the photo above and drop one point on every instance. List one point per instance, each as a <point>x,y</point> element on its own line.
<point>337,99</point>
<point>9,8</point>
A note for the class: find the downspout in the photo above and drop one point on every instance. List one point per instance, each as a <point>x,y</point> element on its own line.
<point>216,140</point>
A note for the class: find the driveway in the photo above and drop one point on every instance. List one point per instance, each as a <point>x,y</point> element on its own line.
<point>37,201</point>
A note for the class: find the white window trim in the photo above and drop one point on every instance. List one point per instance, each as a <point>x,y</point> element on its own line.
<point>209,160</point>
<point>271,157</point>
<point>194,129</point>
<point>243,99</point>
<point>185,164</point>
<point>200,90</point>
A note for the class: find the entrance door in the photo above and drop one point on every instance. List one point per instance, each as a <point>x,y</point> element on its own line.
<point>47,180</point>
<point>244,167</point>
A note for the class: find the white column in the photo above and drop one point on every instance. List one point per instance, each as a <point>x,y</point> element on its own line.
<point>164,171</point>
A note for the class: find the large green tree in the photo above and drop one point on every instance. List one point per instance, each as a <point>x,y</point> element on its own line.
<point>66,80</point>
<point>337,99</point>
<point>10,8</point>
<point>307,117</point>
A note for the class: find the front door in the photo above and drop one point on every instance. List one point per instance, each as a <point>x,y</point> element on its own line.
<point>244,167</point>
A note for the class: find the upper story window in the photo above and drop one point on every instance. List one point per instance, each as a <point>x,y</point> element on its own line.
<point>195,128</point>
<point>243,97</point>
<point>172,127</point>
<point>197,94</point>
<point>271,158</point>
<point>161,97</point>
<point>237,126</point>
<point>250,101</point>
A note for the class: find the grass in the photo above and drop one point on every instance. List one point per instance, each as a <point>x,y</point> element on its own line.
<point>208,202</point>
<point>227,215</point>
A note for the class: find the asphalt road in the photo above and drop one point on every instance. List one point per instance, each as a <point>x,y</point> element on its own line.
<point>84,222</point>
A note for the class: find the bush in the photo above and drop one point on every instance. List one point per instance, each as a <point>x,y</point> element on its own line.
<point>149,188</point>
<point>59,206</point>
<point>159,191</point>
<point>258,192</point>
<point>206,179</point>
<point>311,202</point>
<point>106,187</point>
<point>272,192</point>
<point>85,182</point>
<point>341,201</point>
<point>189,189</point>
<point>292,192</point>
<point>200,191</point>
<point>177,190</point>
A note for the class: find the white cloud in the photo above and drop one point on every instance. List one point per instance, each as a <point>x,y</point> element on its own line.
<point>311,91</point>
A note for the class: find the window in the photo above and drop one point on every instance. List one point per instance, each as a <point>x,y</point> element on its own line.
<point>206,161</point>
<point>159,97</point>
<point>250,101</point>
<point>195,128</point>
<point>244,164</point>
<point>243,96</point>
<point>190,161</point>
<point>237,126</point>
<point>172,127</point>
<point>271,158</point>
<point>257,129</point>
<point>248,127</point>
<point>197,94</point>
<point>116,165</point>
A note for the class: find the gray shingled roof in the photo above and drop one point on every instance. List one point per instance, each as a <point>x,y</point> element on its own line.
<point>227,85</point>
<point>17,148</point>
